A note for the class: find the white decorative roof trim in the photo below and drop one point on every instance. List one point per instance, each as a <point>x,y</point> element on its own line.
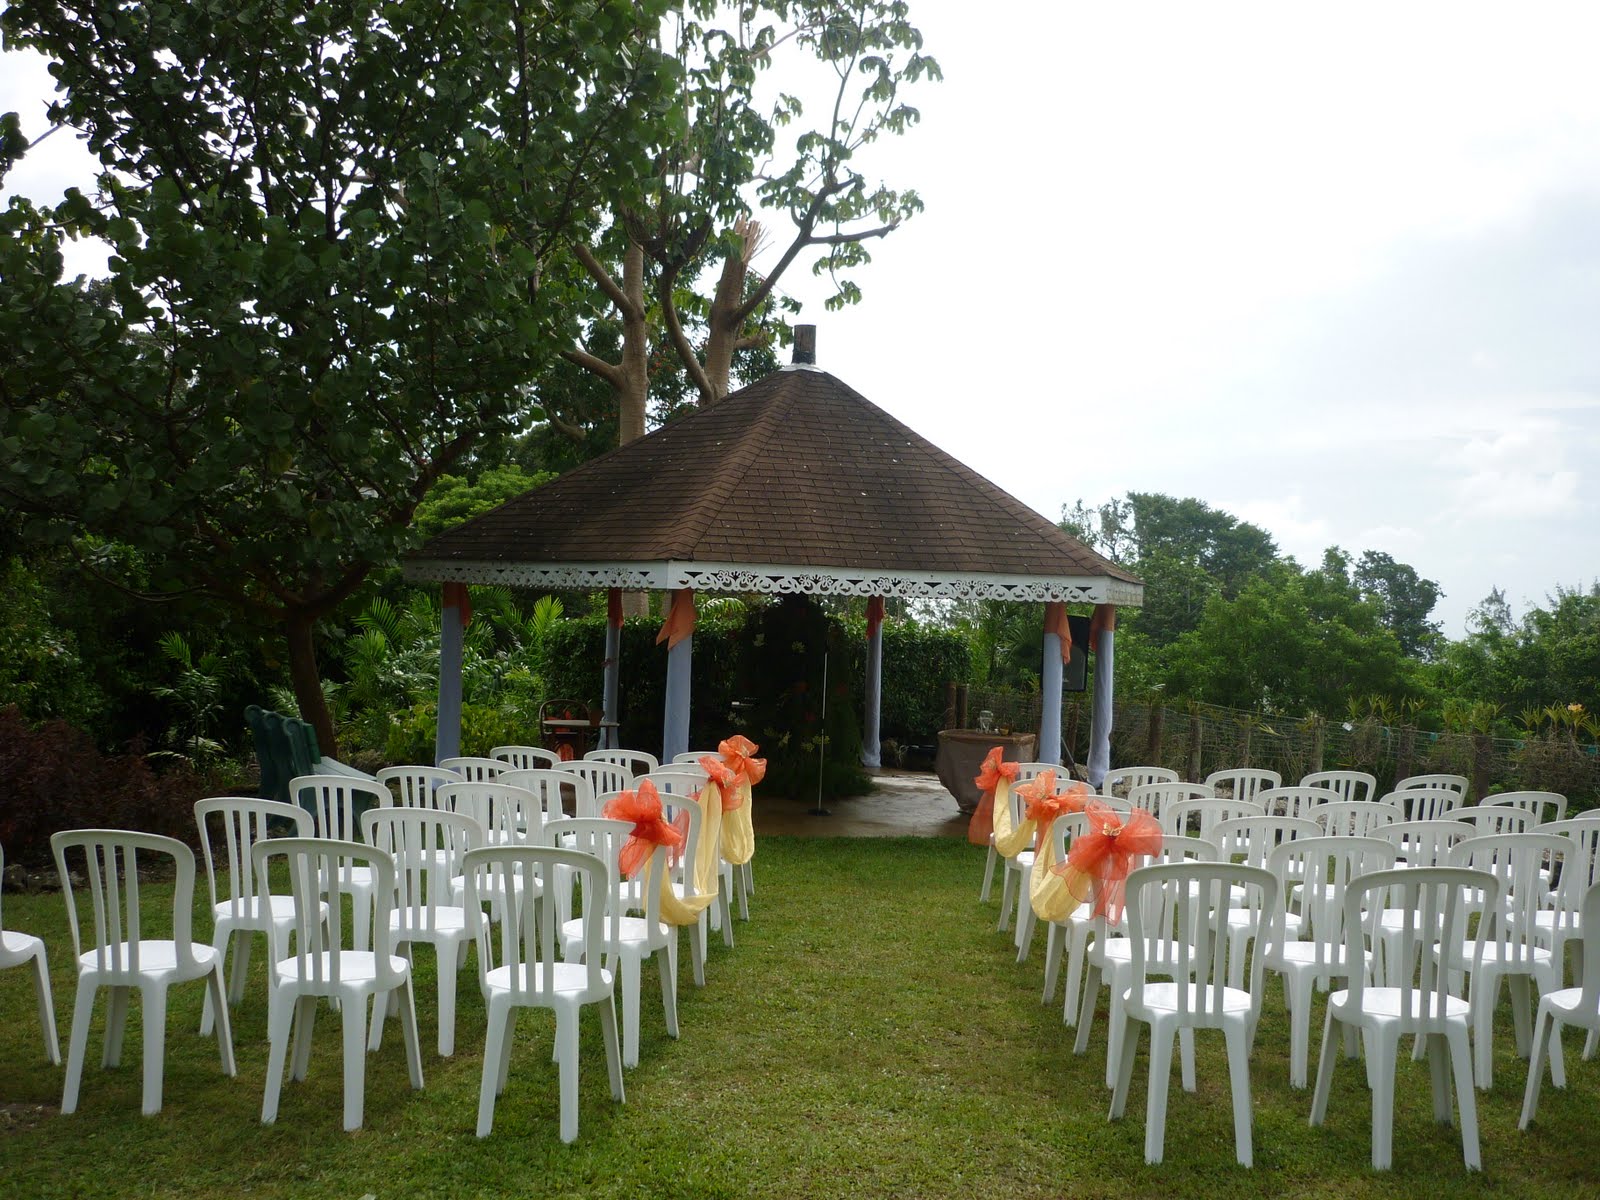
<point>818,581</point>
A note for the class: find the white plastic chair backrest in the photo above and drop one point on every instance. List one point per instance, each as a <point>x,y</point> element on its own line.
<point>416,787</point>
<point>1418,907</point>
<point>476,770</point>
<point>1132,777</point>
<point>428,846</point>
<point>1590,983</point>
<point>601,777</point>
<point>680,862</point>
<point>1580,866</point>
<point>111,859</point>
<point>637,762</point>
<point>1424,843</point>
<point>1515,859</point>
<point>1249,840</point>
<point>1354,818</point>
<point>1545,806</point>
<point>1242,783</point>
<point>1178,926</point>
<point>677,781</point>
<point>321,934</point>
<point>694,756</point>
<point>560,793</point>
<point>1154,798</point>
<point>1032,770</point>
<point>525,758</point>
<point>1325,868</point>
<point>503,811</point>
<point>604,838</point>
<point>240,822</point>
<point>336,803</point>
<point>1207,812</point>
<point>1070,825</point>
<point>1496,818</point>
<point>1294,801</point>
<point>1456,783</point>
<point>1424,803</point>
<point>523,952</point>
<point>1349,785</point>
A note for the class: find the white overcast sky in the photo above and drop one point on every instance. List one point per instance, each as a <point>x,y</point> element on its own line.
<point>1334,268</point>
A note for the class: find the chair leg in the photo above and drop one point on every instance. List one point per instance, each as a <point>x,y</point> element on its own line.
<point>1385,1049</point>
<point>219,943</point>
<point>1542,1032</point>
<point>1325,1064</point>
<point>216,989</point>
<point>608,1033</point>
<point>567,1038</point>
<point>1026,920</point>
<point>355,1061</point>
<point>280,1016</point>
<point>1053,932</point>
<point>361,920</point>
<point>1297,991</point>
<point>1521,987</point>
<point>116,1026</point>
<point>447,1000</point>
<point>724,905</point>
<point>630,1010</point>
<point>1185,1055</point>
<point>77,1043</point>
<point>495,1035</point>
<point>47,1007</point>
<point>241,967</point>
<point>1091,996</point>
<point>1155,1118</point>
<point>305,1023</point>
<point>741,885</point>
<point>669,984</point>
<point>406,999</point>
<point>748,868</point>
<point>1466,1102</point>
<point>1119,1094</point>
<point>697,949</point>
<point>988,876</point>
<point>1439,1074</point>
<point>1237,1038</point>
<point>1077,949</point>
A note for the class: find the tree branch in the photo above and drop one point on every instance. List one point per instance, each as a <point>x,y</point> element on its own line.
<point>610,372</point>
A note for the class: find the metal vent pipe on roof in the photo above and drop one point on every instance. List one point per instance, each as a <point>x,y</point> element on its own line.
<point>805,345</point>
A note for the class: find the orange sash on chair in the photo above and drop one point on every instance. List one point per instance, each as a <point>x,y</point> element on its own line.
<point>1052,900</point>
<point>980,830</point>
<point>738,831</point>
<point>651,829</point>
<point>1098,862</point>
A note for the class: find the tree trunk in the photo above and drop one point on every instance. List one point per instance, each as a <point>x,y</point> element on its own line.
<point>726,320</point>
<point>633,390</point>
<point>307,680</point>
<point>1196,742</point>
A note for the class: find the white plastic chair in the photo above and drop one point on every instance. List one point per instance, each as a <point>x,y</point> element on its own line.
<point>560,793</point>
<point>337,802</point>
<point>506,812</point>
<point>1435,902</point>
<point>628,940</point>
<point>1242,783</point>
<point>1322,868</point>
<point>1067,940</point>
<point>602,777</point>
<point>1422,803</point>
<point>518,967</point>
<point>321,966</point>
<point>1202,816</point>
<point>236,823</point>
<point>1545,806</point>
<point>1295,801</point>
<point>1156,798</point>
<point>1512,951</point>
<point>121,958</point>
<point>1578,1006</point>
<point>1580,870</point>
<point>1496,818</point>
<point>20,949</point>
<point>417,787</point>
<point>1178,981</point>
<point>685,779</point>
<point>428,847</point>
<point>1132,777</point>
<point>1424,843</point>
<point>636,761</point>
<point>476,770</point>
<point>1347,785</point>
<point>1456,783</point>
<point>526,758</point>
<point>694,756</point>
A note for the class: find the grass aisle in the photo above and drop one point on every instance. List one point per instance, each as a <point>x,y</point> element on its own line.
<point>869,1036</point>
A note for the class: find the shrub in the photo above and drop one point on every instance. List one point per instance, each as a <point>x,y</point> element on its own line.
<point>52,778</point>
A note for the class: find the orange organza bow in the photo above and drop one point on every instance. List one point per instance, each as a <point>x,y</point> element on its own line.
<point>1045,805</point>
<point>736,758</point>
<point>981,828</point>
<point>726,779</point>
<point>1100,860</point>
<point>650,826</point>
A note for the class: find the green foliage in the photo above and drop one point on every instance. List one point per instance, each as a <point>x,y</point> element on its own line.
<point>409,737</point>
<point>454,499</point>
<point>41,670</point>
<point>918,661</point>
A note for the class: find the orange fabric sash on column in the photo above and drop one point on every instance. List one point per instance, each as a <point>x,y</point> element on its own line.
<point>1055,621</point>
<point>456,597</point>
<point>980,830</point>
<point>1098,862</point>
<point>874,614</point>
<point>1105,617</point>
<point>679,622</point>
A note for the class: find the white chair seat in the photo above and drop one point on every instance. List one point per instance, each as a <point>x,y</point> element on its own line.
<point>1383,1004</point>
<point>155,958</point>
<point>566,979</point>
<point>20,945</point>
<point>356,968</point>
<point>1163,998</point>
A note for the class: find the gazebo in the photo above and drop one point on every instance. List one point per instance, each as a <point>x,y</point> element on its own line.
<point>794,484</point>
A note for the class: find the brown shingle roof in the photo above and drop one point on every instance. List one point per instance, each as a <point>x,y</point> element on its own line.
<point>796,470</point>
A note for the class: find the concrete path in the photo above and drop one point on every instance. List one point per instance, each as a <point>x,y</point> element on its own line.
<point>902,804</point>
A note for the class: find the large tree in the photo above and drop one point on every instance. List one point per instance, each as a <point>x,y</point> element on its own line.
<point>331,228</point>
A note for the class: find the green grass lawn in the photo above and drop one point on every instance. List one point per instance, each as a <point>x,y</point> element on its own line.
<point>870,1035</point>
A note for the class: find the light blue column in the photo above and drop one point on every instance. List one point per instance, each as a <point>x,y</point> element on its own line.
<point>871,750</point>
<point>675,726</point>
<point>1101,716</point>
<point>1050,700</point>
<point>447,736</point>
